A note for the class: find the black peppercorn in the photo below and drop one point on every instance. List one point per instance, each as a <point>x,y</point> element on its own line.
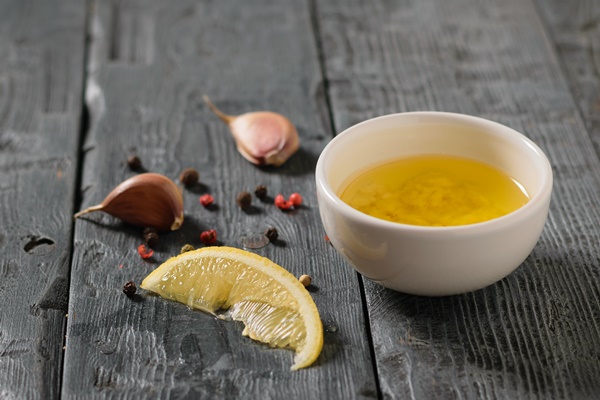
<point>272,234</point>
<point>261,191</point>
<point>150,237</point>
<point>134,162</point>
<point>129,288</point>
<point>244,200</point>
<point>189,177</point>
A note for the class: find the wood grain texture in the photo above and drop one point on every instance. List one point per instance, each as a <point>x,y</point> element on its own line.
<point>41,78</point>
<point>574,29</point>
<point>534,334</point>
<point>150,64</point>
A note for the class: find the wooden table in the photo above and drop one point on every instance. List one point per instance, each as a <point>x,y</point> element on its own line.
<point>83,85</point>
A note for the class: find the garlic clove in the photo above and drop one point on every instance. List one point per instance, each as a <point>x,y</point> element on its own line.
<point>262,137</point>
<point>149,200</point>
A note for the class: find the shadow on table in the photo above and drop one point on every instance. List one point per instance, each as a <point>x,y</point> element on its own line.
<point>303,162</point>
<point>516,336</point>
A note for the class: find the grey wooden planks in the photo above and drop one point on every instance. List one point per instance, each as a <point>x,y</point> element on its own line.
<point>150,64</point>
<point>574,30</point>
<point>41,78</point>
<point>535,333</point>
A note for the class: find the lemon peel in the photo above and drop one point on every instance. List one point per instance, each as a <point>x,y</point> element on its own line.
<point>273,305</point>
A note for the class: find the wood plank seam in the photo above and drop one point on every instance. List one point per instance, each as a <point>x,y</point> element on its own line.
<point>313,9</point>
<point>324,87</point>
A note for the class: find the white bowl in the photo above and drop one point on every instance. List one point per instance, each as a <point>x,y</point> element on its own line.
<point>433,261</point>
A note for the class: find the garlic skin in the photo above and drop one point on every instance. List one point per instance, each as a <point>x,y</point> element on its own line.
<point>148,200</point>
<point>262,137</point>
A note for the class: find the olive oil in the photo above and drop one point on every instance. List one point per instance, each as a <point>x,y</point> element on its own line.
<point>434,190</point>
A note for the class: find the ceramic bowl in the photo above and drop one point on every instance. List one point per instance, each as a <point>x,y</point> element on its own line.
<point>433,261</point>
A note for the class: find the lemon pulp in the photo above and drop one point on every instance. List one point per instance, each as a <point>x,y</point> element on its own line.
<point>273,305</point>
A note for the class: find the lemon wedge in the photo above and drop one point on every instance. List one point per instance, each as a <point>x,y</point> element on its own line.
<point>273,305</point>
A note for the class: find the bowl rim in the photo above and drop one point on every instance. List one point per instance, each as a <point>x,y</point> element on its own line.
<point>534,204</point>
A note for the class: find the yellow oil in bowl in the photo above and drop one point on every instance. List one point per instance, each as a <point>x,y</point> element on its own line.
<point>434,190</point>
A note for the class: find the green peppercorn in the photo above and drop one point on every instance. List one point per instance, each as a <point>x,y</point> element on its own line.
<point>186,248</point>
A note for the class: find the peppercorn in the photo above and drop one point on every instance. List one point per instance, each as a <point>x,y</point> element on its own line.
<point>129,288</point>
<point>305,280</point>
<point>244,200</point>
<point>296,199</point>
<point>272,234</point>
<point>144,251</point>
<point>261,191</point>
<point>134,162</point>
<point>206,200</point>
<point>151,237</point>
<point>186,248</point>
<point>281,203</point>
<point>189,177</point>
<point>209,237</point>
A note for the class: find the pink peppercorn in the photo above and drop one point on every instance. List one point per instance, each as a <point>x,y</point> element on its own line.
<point>144,251</point>
<point>206,200</point>
<point>281,203</point>
<point>296,199</point>
<point>209,237</point>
